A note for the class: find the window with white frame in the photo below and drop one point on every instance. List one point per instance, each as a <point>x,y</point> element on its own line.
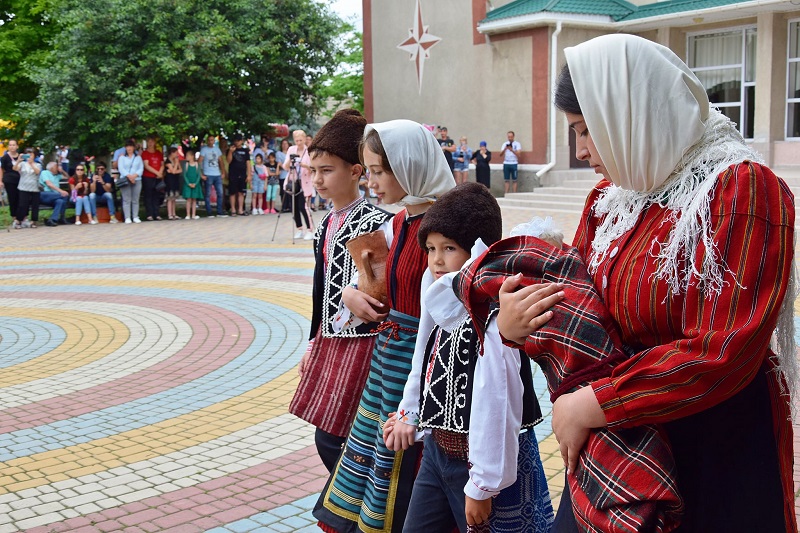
<point>725,63</point>
<point>793,83</point>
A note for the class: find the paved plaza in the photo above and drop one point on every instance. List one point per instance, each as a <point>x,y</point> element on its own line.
<point>145,376</point>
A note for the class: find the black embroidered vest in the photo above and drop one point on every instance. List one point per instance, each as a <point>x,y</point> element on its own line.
<point>447,376</point>
<point>328,285</point>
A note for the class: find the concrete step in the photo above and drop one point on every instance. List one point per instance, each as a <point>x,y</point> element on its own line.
<point>562,192</point>
<point>509,201</point>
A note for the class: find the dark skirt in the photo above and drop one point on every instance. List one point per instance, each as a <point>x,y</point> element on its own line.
<point>173,183</point>
<point>370,488</point>
<point>482,175</point>
<point>727,464</point>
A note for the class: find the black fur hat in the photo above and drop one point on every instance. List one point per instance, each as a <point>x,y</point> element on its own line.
<point>464,214</point>
<point>340,136</point>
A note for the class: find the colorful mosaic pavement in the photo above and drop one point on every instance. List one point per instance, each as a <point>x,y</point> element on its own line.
<point>145,375</point>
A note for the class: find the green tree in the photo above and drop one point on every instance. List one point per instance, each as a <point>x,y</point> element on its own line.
<point>25,27</point>
<point>129,67</point>
<point>345,86</point>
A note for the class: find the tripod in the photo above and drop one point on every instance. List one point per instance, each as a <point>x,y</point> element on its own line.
<point>294,181</point>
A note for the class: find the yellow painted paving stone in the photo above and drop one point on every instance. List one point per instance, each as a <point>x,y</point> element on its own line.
<point>82,344</point>
<point>298,304</point>
<point>196,432</point>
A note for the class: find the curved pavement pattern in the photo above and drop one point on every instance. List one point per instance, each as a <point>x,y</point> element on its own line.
<point>145,375</point>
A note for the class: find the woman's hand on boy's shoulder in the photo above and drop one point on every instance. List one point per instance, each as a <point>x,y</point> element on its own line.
<point>364,306</point>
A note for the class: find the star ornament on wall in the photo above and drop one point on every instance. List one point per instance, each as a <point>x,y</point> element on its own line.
<point>419,44</point>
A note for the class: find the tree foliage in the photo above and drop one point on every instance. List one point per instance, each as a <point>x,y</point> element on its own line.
<point>25,27</point>
<point>345,86</point>
<point>125,68</point>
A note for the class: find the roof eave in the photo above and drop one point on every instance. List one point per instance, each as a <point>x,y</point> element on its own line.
<point>604,22</point>
<point>705,16</point>
<point>535,20</point>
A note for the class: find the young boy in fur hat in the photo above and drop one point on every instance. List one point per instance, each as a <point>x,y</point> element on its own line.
<point>456,380</point>
<point>335,365</point>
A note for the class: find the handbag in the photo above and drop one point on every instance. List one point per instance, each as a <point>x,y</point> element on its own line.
<point>161,186</point>
<point>121,182</point>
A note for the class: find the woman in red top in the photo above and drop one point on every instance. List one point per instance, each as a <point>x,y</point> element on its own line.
<point>153,161</point>
<point>690,241</point>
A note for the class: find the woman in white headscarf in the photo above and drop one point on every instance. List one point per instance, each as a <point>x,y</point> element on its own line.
<point>690,240</point>
<point>370,488</point>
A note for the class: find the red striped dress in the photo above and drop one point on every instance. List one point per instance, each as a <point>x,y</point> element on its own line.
<point>703,366</point>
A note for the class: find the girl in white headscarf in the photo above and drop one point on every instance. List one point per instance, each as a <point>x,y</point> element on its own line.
<point>690,240</point>
<point>370,488</point>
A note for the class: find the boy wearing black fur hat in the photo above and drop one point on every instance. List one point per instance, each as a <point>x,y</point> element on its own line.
<point>335,365</point>
<point>455,380</point>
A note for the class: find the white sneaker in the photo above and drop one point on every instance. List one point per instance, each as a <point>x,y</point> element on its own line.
<point>127,221</point>
<point>113,220</point>
<point>137,220</point>
<point>196,217</point>
<point>188,217</point>
<point>309,236</point>
<point>92,221</point>
<point>298,234</point>
<point>78,222</point>
<point>254,211</point>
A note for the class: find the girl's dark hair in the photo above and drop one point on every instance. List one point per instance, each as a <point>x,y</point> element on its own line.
<point>373,141</point>
<point>259,155</point>
<point>172,150</point>
<point>565,98</point>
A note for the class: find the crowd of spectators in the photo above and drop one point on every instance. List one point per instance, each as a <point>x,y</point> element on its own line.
<point>239,178</point>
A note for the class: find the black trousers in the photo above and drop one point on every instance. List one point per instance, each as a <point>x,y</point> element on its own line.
<point>150,196</point>
<point>329,448</point>
<point>300,208</point>
<point>13,193</point>
<point>27,200</point>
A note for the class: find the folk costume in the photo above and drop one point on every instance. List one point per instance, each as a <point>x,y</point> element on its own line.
<point>692,250</point>
<point>623,473</point>
<point>370,487</point>
<point>330,387</point>
<point>450,385</point>
<point>329,390</point>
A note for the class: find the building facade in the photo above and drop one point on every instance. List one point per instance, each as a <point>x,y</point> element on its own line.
<point>482,68</point>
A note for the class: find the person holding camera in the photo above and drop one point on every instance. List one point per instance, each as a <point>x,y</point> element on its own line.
<point>510,153</point>
<point>28,189</point>
<point>462,156</point>
<point>103,190</point>
<point>298,183</point>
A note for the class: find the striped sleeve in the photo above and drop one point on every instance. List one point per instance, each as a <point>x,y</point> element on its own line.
<point>720,342</point>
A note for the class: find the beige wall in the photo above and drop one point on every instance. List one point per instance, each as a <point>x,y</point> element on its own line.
<point>480,91</point>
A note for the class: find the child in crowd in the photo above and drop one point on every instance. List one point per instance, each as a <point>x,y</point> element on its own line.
<point>172,181</point>
<point>455,380</point>
<point>192,188</point>
<point>258,186</point>
<point>370,487</point>
<point>273,182</point>
<point>335,364</point>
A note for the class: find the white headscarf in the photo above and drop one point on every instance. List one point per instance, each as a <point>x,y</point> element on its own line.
<point>662,143</point>
<point>416,159</point>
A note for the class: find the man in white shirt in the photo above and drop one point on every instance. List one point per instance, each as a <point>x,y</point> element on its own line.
<point>510,153</point>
